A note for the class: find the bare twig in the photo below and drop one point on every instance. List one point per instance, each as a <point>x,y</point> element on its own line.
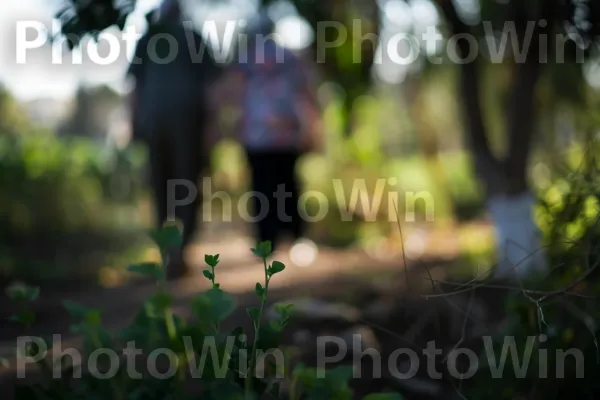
<point>507,287</point>
<point>401,243</point>
<point>571,286</point>
<point>464,327</point>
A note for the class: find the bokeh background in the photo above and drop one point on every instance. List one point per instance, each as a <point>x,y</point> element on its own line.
<point>74,201</point>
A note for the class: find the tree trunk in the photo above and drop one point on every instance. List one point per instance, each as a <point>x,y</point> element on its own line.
<point>509,200</point>
<point>519,244</point>
<point>510,203</point>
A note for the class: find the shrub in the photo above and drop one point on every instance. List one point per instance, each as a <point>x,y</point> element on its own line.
<point>553,317</point>
<point>62,194</point>
<point>228,372</point>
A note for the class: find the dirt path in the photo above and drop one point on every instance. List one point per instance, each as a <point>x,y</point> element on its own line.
<point>238,271</point>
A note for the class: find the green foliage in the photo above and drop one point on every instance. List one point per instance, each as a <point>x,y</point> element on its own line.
<point>223,363</point>
<point>13,119</point>
<point>43,169</point>
<point>65,194</point>
<point>559,311</point>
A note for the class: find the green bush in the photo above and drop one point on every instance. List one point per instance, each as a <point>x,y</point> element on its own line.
<point>61,194</point>
<point>557,311</point>
<point>229,372</point>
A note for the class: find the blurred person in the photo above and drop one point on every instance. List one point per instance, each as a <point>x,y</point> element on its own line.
<point>279,123</point>
<point>170,113</point>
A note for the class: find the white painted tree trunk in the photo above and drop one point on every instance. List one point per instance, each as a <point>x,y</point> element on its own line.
<point>518,238</point>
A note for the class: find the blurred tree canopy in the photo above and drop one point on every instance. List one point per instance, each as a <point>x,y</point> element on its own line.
<point>529,45</point>
<point>545,42</point>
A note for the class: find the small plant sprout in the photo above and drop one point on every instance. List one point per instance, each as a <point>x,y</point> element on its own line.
<point>263,250</point>
<point>212,262</point>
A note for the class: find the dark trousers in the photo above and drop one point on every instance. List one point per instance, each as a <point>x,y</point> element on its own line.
<point>176,154</point>
<point>276,193</point>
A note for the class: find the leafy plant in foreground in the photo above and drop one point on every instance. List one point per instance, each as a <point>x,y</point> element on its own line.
<point>204,361</point>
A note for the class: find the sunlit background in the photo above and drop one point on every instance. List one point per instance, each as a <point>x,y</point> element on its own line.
<point>430,170</point>
<point>382,119</point>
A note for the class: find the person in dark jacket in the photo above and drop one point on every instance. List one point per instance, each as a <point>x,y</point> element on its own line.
<point>170,115</point>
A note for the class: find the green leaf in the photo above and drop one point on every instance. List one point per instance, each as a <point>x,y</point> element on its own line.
<point>161,301</point>
<point>211,260</point>
<point>284,309</point>
<point>25,317</point>
<point>149,269</point>
<point>341,374</point>
<point>263,249</point>
<point>275,268</point>
<point>93,317</point>
<point>254,313</point>
<point>213,305</point>
<point>276,325</point>
<point>307,376</point>
<point>168,237</point>
<point>259,290</point>
<point>208,275</point>
<point>4,362</point>
<point>78,311</point>
<point>284,313</point>
<point>22,292</point>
